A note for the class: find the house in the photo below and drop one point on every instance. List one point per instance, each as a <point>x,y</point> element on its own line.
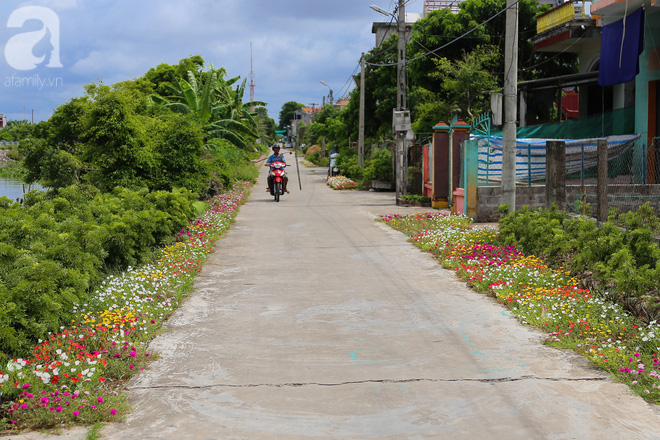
<point>384,30</point>
<point>3,121</point>
<point>618,84</point>
<point>621,16</point>
<point>342,102</point>
<point>303,117</point>
<point>569,27</point>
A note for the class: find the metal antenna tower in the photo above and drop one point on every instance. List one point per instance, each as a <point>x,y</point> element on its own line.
<point>251,77</point>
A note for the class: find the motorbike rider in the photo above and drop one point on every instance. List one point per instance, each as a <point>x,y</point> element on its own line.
<point>334,154</point>
<point>275,157</point>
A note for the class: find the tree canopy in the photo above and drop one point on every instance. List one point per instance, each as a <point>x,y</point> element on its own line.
<point>287,113</point>
<point>130,135</point>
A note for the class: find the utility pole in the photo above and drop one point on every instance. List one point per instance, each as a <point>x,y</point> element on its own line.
<point>510,107</point>
<point>401,103</point>
<point>361,123</point>
<point>401,122</point>
<point>400,114</point>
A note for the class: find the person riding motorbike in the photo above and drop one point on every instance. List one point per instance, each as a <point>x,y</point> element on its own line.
<point>275,157</point>
<point>333,169</point>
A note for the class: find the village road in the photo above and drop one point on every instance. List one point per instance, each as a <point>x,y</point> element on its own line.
<point>312,321</point>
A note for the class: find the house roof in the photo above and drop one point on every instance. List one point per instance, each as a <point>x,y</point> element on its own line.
<point>310,109</point>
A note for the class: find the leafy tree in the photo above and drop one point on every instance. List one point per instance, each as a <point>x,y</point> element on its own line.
<point>53,167</point>
<point>178,143</point>
<point>215,104</point>
<point>16,130</point>
<point>265,122</point>
<point>116,136</point>
<point>160,77</point>
<point>287,113</point>
<point>467,81</point>
<point>329,122</point>
<point>234,119</point>
<point>117,149</point>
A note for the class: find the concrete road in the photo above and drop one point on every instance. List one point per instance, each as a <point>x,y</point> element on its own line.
<point>312,321</point>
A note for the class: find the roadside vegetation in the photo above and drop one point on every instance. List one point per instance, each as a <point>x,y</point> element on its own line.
<point>142,177</point>
<point>341,182</point>
<point>457,78</point>
<point>593,291</point>
<point>76,374</point>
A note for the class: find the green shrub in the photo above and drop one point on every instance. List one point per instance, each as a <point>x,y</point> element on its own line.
<point>416,198</point>
<point>348,166</point>
<point>379,167</point>
<point>55,250</point>
<point>14,155</point>
<point>622,261</point>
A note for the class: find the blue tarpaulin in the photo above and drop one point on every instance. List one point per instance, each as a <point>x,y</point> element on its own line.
<point>621,44</point>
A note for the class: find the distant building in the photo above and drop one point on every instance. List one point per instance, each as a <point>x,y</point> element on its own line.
<point>342,102</point>
<point>384,30</point>
<point>3,121</point>
<point>303,117</point>
<point>434,5</point>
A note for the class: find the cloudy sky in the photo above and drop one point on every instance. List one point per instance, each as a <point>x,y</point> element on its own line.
<point>51,48</point>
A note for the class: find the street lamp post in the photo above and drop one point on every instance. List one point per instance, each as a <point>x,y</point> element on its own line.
<point>332,101</point>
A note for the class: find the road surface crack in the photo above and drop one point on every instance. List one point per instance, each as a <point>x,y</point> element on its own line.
<point>370,381</point>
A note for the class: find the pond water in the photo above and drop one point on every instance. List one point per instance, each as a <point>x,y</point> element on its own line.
<point>14,188</point>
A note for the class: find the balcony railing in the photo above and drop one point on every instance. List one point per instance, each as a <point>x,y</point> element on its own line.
<point>561,14</point>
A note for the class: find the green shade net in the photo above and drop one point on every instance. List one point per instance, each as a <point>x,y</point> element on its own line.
<point>621,121</point>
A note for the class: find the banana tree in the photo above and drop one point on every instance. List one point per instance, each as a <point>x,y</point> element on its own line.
<point>213,101</point>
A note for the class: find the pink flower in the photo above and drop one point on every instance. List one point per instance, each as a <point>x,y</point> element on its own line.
<point>59,409</point>
<point>100,399</point>
<point>113,412</point>
<point>75,413</point>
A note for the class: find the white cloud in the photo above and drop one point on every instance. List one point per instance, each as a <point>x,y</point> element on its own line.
<point>296,43</point>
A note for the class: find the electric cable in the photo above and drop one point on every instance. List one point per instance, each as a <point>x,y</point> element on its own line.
<point>449,43</point>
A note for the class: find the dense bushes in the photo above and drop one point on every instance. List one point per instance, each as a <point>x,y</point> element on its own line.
<point>620,258</point>
<point>378,165</point>
<point>113,160</point>
<point>58,247</point>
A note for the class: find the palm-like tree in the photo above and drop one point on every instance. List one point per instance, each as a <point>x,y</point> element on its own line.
<point>213,102</point>
<point>233,113</point>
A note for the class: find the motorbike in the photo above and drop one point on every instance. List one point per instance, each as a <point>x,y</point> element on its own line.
<point>333,167</point>
<point>277,172</point>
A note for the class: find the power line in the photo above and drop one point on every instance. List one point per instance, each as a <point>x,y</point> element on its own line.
<point>449,43</point>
